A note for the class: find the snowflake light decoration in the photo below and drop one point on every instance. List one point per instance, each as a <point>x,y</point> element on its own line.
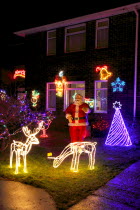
<point>118,85</point>
<point>117,105</point>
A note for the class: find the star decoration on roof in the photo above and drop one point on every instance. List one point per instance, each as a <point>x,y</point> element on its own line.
<point>118,85</point>
<point>117,105</point>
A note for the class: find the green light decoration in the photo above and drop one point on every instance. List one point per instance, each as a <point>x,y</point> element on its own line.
<point>35,97</point>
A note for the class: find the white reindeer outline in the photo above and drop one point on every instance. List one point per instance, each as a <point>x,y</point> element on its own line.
<point>76,149</point>
<point>22,149</point>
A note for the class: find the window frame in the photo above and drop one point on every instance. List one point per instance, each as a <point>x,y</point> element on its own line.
<point>50,54</point>
<point>101,28</point>
<point>95,95</point>
<point>47,96</point>
<point>73,33</point>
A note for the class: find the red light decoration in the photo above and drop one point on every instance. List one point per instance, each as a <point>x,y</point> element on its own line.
<point>104,74</point>
<point>101,125</point>
<point>19,73</point>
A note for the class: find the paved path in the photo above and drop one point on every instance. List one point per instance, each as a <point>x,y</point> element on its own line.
<point>120,193</point>
<point>18,196</point>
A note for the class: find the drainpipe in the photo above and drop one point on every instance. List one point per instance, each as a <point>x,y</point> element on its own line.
<point>135,64</point>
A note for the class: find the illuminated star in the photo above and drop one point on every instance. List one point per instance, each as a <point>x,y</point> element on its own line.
<point>118,85</point>
<point>117,105</point>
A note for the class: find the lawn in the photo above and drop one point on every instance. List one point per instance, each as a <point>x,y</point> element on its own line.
<point>66,187</point>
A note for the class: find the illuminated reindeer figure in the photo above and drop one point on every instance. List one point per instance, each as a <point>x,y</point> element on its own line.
<point>76,149</point>
<point>22,149</point>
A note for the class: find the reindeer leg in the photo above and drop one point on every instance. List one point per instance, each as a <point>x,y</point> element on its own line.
<point>25,165</point>
<point>77,162</point>
<point>16,171</point>
<point>92,159</point>
<point>11,156</point>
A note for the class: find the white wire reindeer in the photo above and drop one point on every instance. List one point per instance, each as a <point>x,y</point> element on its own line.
<point>22,149</point>
<point>76,149</point>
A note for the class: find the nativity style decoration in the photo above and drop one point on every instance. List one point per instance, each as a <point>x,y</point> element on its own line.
<point>104,73</point>
<point>22,149</point>
<point>118,134</point>
<point>76,149</point>
<point>60,80</point>
<point>118,85</point>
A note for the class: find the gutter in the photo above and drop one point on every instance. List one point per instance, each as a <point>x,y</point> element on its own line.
<point>136,64</point>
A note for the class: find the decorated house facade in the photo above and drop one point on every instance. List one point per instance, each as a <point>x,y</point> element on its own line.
<point>96,54</point>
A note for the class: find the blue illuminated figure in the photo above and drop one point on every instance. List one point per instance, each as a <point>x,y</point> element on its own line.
<point>118,85</point>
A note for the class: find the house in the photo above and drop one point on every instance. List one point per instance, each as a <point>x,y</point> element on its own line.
<point>97,53</point>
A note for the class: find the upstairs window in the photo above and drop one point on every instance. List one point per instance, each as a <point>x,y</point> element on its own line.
<point>100,96</point>
<point>51,42</point>
<point>75,38</point>
<point>102,29</point>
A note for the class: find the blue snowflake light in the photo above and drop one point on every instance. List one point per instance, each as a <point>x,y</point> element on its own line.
<point>118,85</point>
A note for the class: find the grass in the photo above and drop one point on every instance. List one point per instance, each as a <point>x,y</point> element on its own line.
<point>66,187</point>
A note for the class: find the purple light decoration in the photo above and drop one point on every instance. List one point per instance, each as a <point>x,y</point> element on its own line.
<point>118,134</point>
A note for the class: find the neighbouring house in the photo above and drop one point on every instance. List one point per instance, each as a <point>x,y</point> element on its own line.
<point>99,56</point>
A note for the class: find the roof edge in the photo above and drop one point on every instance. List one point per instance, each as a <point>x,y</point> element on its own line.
<point>80,19</point>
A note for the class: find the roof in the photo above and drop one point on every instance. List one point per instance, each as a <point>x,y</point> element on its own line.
<point>81,19</point>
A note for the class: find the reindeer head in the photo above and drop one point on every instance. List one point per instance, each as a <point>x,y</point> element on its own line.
<point>32,135</point>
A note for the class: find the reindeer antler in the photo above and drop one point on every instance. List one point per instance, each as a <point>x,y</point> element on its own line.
<point>26,131</point>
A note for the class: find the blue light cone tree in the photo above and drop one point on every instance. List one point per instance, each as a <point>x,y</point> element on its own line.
<point>118,134</point>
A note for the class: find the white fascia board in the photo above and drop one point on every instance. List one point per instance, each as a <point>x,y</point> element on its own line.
<point>81,19</point>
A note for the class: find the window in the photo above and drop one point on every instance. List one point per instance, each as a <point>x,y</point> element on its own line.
<point>50,96</point>
<point>51,42</point>
<point>100,96</point>
<point>72,88</point>
<point>75,38</point>
<point>102,28</point>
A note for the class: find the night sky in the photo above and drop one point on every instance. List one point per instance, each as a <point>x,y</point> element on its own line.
<point>21,15</point>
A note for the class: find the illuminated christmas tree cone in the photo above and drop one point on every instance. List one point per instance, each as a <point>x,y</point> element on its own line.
<point>118,134</point>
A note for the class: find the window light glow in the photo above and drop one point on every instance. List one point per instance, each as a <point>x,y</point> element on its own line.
<point>104,74</point>
<point>118,85</point>
<point>22,149</point>
<point>118,134</point>
<point>76,149</point>
<point>19,73</point>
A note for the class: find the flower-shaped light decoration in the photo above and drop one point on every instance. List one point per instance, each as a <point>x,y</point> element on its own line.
<point>118,85</point>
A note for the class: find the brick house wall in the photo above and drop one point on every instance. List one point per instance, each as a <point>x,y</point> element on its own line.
<point>80,66</point>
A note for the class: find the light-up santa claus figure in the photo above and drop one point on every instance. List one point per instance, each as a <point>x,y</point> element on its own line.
<point>76,114</point>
